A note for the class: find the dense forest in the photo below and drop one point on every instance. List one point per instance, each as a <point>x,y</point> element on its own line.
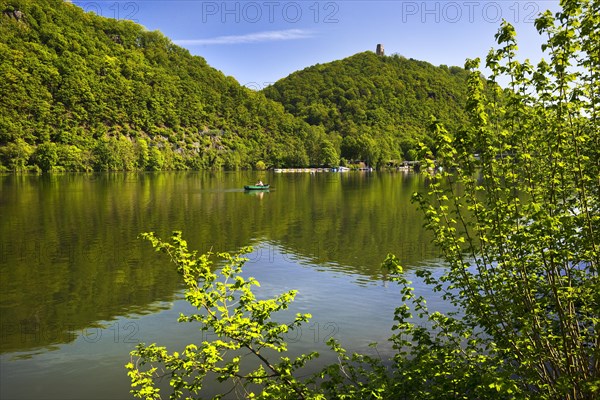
<point>378,107</point>
<point>79,92</point>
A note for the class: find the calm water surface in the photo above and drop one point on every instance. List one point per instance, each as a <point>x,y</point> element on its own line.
<point>79,290</point>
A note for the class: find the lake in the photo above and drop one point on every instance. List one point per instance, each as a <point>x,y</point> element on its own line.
<point>79,289</point>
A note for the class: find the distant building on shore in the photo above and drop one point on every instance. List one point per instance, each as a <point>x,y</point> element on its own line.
<point>380,51</point>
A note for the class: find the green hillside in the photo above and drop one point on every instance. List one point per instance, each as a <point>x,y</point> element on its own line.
<point>378,107</point>
<point>81,92</point>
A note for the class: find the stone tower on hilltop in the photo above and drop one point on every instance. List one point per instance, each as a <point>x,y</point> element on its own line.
<point>380,51</point>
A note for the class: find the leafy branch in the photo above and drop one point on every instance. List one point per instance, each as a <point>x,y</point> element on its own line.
<point>230,310</point>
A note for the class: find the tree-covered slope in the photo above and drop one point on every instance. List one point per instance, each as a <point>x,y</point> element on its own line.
<point>82,92</point>
<point>378,107</point>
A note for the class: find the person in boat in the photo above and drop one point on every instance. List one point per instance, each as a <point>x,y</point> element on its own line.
<point>260,183</point>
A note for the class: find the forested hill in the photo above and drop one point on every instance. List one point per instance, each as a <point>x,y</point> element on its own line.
<point>82,92</point>
<point>379,107</point>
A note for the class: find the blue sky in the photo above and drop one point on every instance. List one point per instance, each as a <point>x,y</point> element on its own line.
<point>259,42</point>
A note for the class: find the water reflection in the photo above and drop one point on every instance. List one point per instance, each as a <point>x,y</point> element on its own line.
<point>70,255</point>
<point>352,308</point>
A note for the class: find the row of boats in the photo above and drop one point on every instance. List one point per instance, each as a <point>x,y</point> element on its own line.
<point>312,170</point>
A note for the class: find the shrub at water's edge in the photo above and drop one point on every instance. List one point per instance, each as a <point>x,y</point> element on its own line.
<point>519,224</point>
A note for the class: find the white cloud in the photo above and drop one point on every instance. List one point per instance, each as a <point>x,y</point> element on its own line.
<point>257,37</point>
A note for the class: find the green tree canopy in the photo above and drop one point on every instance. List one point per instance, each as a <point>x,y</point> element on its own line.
<point>365,96</point>
<point>107,86</point>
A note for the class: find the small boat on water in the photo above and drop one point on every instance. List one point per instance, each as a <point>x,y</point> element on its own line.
<point>257,187</point>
